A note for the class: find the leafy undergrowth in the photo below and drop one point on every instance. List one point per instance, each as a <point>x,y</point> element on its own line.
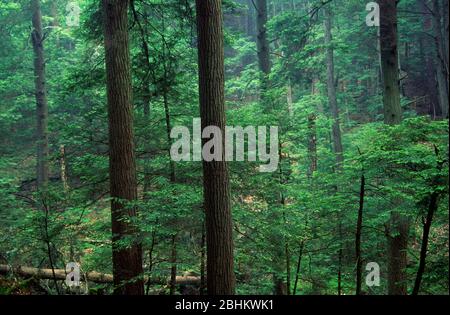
<point>9,286</point>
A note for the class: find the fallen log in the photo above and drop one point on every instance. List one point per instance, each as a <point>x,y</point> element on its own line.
<point>97,277</point>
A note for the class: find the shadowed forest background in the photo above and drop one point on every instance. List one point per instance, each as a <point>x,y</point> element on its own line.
<point>86,110</point>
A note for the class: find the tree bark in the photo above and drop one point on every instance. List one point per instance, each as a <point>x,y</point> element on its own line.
<point>398,225</point>
<point>94,276</point>
<point>202,260</point>
<point>299,264</point>
<point>440,60</point>
<point>262,43</point>
<point>219,232</point>
<point>331,88</point>
<point>127,262</point>
<point>389,62</point>
<point>432,208</point>
<point>37,37</point>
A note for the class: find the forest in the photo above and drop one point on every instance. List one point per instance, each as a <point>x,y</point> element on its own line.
<point>224,147</point>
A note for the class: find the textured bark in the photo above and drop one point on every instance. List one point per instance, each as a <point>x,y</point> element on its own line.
<point>219,235</point>
<point>202,261</point>
<point>331,88</point>
<point>389,62</point>
<point>262,44</point>
<point>397,256</point>
<point>127,262</point>
<point>446,30</point>
<point>41,96</point>
<point>398,226</point>
<point>440,59</point>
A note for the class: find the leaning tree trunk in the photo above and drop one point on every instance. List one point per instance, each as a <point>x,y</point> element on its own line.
<point>397,231</point>
<point>432,208</point>
<point>219,232</point>
<point>127,261</point>
<point>41,96</point>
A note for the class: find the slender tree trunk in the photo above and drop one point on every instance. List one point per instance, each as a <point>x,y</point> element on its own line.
<point>432,208</point>
<point>331,87</point>
<point>62,152</point>
<point>173,270</point>
<point>288,267</point>
<point>289,99</point>
<point>312,144</point>
<point>168,130</point>
<point>427,222</point>
<point>336,129</point>
<point>219,225</point>
<point>339,280</point>
<point>41,96</point>
<point>127,262</point>
<point>299,264</point>
<point>358,236</point>
<point>150,261</point>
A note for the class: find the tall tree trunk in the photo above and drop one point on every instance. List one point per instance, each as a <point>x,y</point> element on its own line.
<point>41,96</point>
<point>446,36</point>
<point>262,43</point>
<point>389,62</point>
<point>127,262</point>
<point>219,225</point>
<point>399,225</point>
<point>336,128</point>
<point>331,88</point>
<point>440,59</point>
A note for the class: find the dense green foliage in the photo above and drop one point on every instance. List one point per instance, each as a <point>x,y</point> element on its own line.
<point>277,216</point>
